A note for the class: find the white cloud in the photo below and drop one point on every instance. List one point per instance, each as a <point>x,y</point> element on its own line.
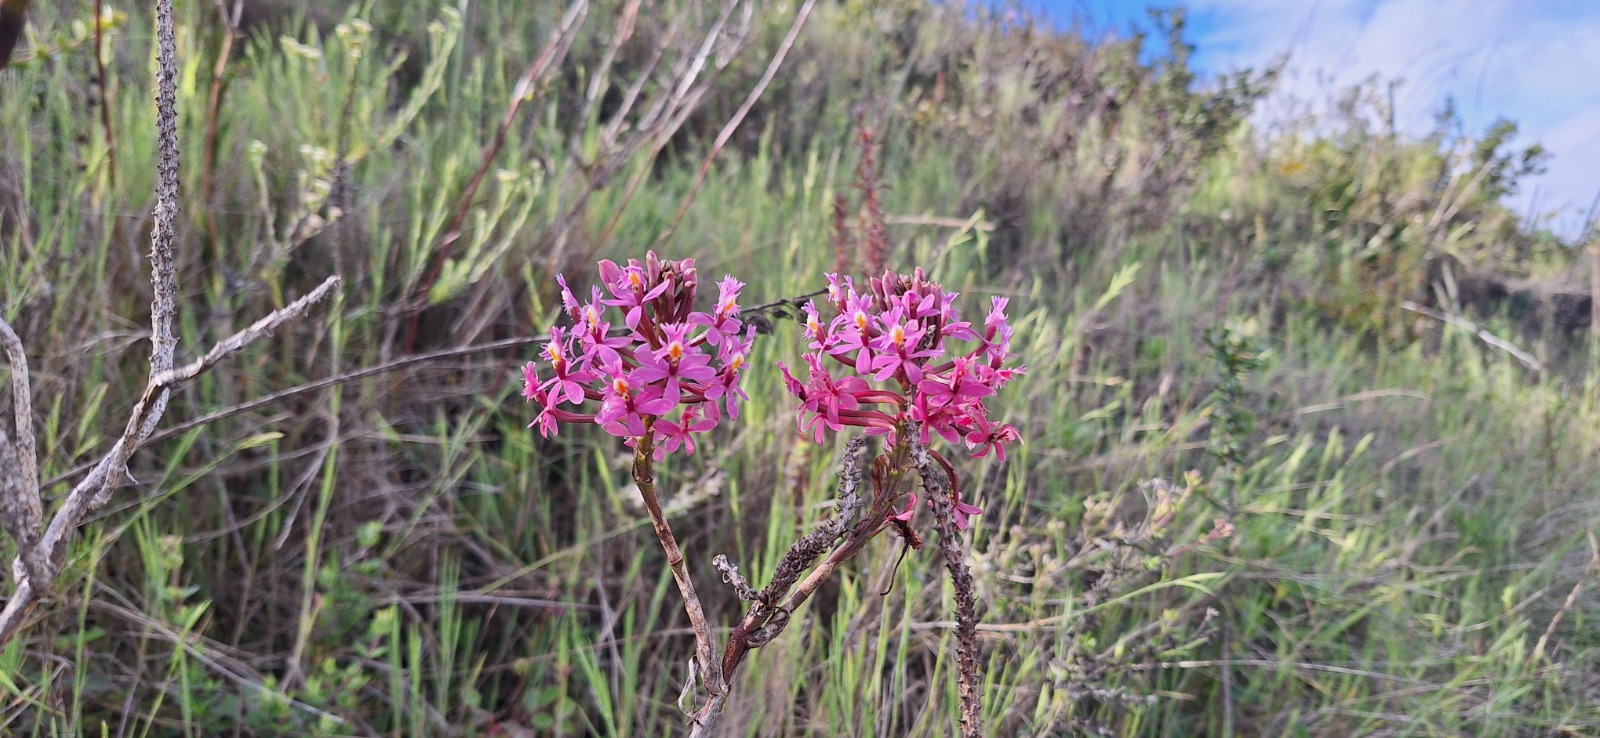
<point>1535,63</point>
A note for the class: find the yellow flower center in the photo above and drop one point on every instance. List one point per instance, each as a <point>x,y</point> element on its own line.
<point>861,320</point>
<point>620,386</point>
<point>898,335</point>
<point>675,351</point>
<point>633,279</point>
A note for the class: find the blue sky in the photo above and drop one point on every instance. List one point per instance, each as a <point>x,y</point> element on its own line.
<point>1536,62</point>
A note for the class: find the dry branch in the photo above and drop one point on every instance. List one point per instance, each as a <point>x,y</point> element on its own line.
<point>91,493</point>
<point>21,510</point>
<point>738,117</point>
<point>1483,334</point>
<point>41,556</point>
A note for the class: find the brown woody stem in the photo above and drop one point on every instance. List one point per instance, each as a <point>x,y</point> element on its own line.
<point>643,475</point>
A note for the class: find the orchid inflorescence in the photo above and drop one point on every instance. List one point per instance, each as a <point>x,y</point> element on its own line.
<point>899,332</point>
<point>659,361</point>
<point>885,361</point>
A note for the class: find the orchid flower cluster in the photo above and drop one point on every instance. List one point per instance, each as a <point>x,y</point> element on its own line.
<point>665,357</point>
<point>899,332</point>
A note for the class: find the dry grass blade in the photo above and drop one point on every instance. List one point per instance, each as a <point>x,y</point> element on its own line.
<point>738,117</point>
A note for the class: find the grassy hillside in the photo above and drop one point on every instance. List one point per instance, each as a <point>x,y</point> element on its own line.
<point>1367,521</point>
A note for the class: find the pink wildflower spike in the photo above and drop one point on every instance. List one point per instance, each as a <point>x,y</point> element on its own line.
<point>894,332</point>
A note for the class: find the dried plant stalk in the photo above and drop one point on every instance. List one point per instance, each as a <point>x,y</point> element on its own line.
<point>21,510</point>
<point>936,481</point>
<point>765,619</point>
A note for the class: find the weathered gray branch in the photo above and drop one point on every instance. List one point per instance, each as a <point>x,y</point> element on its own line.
<point>21,511</point>
<point>40,556</point>
<point>94,490</point>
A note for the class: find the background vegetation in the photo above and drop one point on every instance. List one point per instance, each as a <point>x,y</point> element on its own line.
<point>1377,523</point>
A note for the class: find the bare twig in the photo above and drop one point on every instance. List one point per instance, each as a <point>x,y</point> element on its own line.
<point>731,575</point>
<point>1483,334</point>
<point>937,483</point>
<point>163,270</point>
<point>95,489</point>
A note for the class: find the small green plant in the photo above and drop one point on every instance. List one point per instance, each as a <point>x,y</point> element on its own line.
<point>1233,422</point>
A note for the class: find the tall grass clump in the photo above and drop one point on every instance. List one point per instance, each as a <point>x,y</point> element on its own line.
<point>348,529</point>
